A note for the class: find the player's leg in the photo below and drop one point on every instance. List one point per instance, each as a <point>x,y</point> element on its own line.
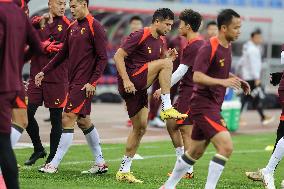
<point>93,139</point>
<point>162,69</point>
<point>139,121</point>
<point>19,124</point>
<point>176,138</point>
<point>68,124</point>
<point>33,131</point>
<point>35,99</point>
<point>224,146</point>
<point>185,162</point>
<point>56,131</point>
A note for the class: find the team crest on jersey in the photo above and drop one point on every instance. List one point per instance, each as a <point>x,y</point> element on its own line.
<point>222,62</point>
<point>83,30</point>
<point>57,102</point>
<point>69,106</point>
<point>149,50</point>
<point>60,27</point>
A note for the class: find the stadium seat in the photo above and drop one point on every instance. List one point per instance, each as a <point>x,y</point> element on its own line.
<point>222,2</point>
<point>240,2</point>
<point>258,3</point>
<point>204,1</point>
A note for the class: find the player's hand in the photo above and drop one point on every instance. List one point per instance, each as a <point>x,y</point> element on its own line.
<point>54,47</point>
<point>257,82</point>
<point>232,82</point>
<point>245,86</point>
<point>157,94</point>
<point>129,86</point>
<point>38,78</point>
<point>172,53</point>
<point>90,90</point>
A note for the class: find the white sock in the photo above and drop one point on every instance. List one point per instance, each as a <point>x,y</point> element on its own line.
<point>216,167</point>
<point>93,140</point>
<point>181,167</point>
<point>15,136</point>
<point>63,146</point>
<point>179,152</point>
<point>166,101</point>
<point>125,164</point>
<point>190,170</point>
<point>275,157</point>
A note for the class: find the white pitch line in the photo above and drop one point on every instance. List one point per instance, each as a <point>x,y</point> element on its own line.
<point>161,156</point>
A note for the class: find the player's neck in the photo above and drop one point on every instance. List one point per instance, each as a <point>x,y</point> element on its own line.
<point>191,35</point>
<point>154,32</point>
<point>223,41</point>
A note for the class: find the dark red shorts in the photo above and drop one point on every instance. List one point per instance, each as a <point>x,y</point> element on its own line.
<point>52,94</point>
<point>7,100</point>
<point>21,99</point>
<point>77,102</point>
<point>135,103</point>
<point>206,126</point>
<point>182,105</point>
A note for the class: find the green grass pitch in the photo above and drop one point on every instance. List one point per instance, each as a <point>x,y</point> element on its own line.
<point>159,159</point>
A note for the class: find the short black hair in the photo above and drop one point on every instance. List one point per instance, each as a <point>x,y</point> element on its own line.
<point>191,18</point>
<point>163,14</point>
<point>211,23</point>
<point>225,17</point>
<point>255,32</point>
<point>136,17</point>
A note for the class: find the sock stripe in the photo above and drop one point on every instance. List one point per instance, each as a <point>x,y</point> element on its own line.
<point>17,127</point>
<point>87,131</point>
<point>188,160</point>
<point>68,131</point>
<point>218,160</point>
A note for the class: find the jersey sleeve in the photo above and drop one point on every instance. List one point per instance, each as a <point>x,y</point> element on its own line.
<point>132,41</point>
<point>202,60</point>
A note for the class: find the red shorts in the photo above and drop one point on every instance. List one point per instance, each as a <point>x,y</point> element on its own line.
<point>54,95</point>
<point>135,102</point>
<point>77,102</point>
<point>21,99</point>
<point>182,105</point>
<point>206,126</point>
<point>7,100</point>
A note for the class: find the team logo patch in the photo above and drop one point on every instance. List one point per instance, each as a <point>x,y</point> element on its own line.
<point>69,106</point>
<point>222,62</point>
<point>83,30</point>
<point>57,102</point>
<point>149,50</point>
<point>60,27</point>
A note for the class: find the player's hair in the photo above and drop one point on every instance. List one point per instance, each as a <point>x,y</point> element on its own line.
<point>225,17</point>
<point>191,18</point>
<point>255,32</point>
<point>87,1</point>
<point>136,17</point>
<point>163,14</point>
<point>211,23</point>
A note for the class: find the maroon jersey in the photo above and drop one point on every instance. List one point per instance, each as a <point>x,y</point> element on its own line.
<point>213,60</point>
<point>15,32</point>
<point>141,48</point>
<point>188,57</point>
<point>179,43</point>
<point>56,31</point>
<point>85,49</point>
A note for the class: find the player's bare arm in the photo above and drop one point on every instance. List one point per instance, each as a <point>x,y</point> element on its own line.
<point>203,79</point>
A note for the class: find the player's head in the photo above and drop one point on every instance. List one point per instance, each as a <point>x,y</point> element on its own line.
<point>135,23</point>
<point>229,24</point>
<point>212,29</point>
<point>163,20</point>
<point>256,37</point>
<point>79,8</point>
<point>57,7</point>
<point>189,21</point>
